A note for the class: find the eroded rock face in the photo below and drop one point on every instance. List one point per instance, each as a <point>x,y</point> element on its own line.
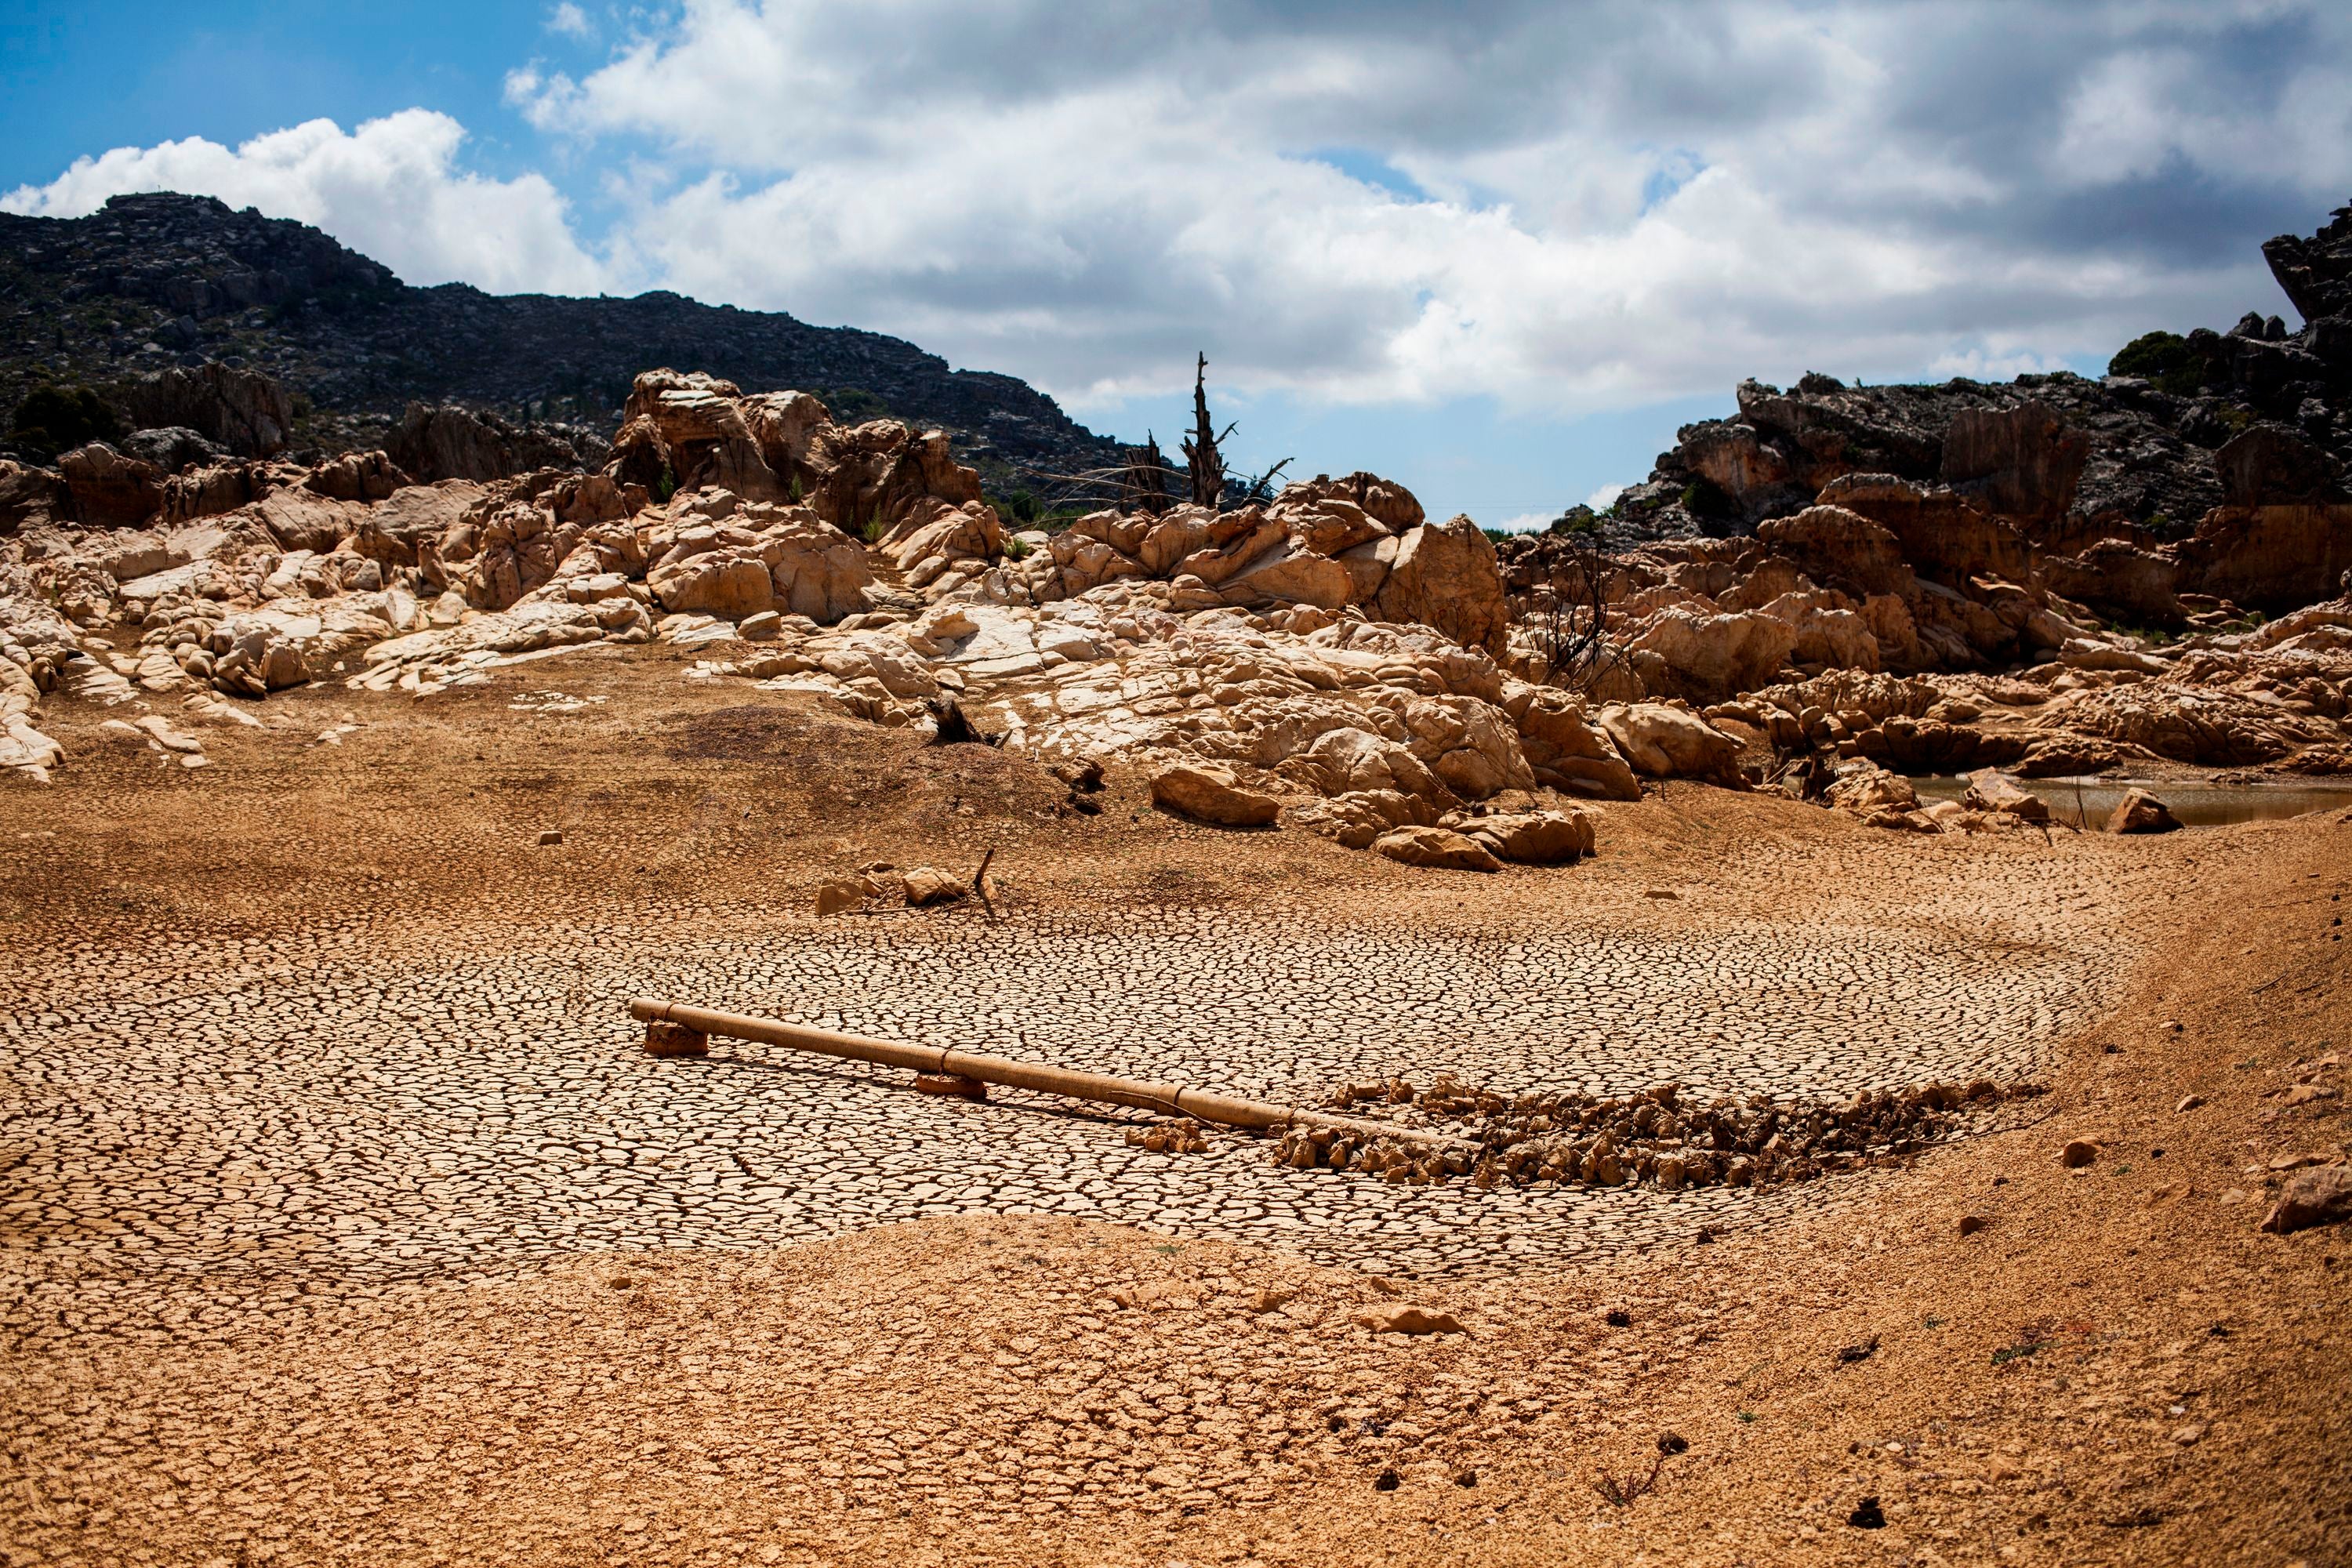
<point>733,560</point>
<point>108,489</point>
<point>1446,576</point>
<point>880,481</point>
<point>2315,273</point>
<point>2021,462</point>
<point>243,410</point>
<point>444,441</point>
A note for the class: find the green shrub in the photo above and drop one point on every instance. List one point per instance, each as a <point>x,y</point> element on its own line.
<point>2163,359</point>
<point>54,419</point>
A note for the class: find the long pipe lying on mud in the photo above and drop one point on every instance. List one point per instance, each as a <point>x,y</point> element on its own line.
<point>1168,1099</point>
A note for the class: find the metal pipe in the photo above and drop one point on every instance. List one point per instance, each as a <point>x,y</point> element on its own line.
<point>1167,1099</point>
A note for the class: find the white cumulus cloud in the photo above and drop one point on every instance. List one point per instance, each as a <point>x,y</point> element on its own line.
<point>1559,209</point>
<point>392,189</point>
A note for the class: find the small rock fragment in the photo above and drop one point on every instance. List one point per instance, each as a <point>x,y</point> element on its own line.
<point>2188,1103</point>
<point>550,836</point>
<point>1410,1320</point>
<point>840,893</point>
<point>2077,1154</point>
<point>1972,1222</point>
<point>664,1039</point>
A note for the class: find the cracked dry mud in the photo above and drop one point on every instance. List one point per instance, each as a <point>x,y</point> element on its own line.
<point>345,1220</point>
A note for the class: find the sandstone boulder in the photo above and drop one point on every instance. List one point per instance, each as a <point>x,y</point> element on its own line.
<point>2321,1194</point>
<point>1438,848</point>
<point>1445,575</point>
<point>1705,659</point>
<point>1207,793</point>
<point>1359,817</point>
<point>1989,790</point>
<point>1660,743</point>
<point>1564,748</point>
<point>2140,812</point>
<point>1868,789</point>
<point>928,885</point>
<point>1531,837</point>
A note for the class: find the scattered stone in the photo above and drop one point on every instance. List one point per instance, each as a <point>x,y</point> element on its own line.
<point>1867,1515</point>
<point>952,1084</point>
<point>2187,1102</point>
<point>2077,1154</point>
<point>664,1039</point>
<point>2140,812</point>
<point>1410,1320</point>
<point>550,836</point>
<point>1618,1318</point>
<point>1184,1137</point>
<point>1207,793</point>
<point>2188,1436</point>
<point>928,885</point>
<point>840,894</point>
<point>1990,789</point>
<point>2321,1194</point>
<point>1850,1354</point>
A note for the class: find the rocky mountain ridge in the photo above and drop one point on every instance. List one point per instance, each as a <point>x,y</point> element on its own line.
<point>159,280</point>
<point>2132,456</point>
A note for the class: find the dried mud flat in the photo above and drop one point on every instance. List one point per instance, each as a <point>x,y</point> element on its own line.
<point>342,1220</point>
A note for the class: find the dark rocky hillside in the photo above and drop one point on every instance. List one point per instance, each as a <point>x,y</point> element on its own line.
<point>2136,454</point>
<point>157,280</point>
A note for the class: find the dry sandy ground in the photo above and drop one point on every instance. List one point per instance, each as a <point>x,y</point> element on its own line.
<point>2117,1367</point>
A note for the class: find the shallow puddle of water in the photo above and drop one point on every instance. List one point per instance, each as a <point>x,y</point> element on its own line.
<point>2196,803</point>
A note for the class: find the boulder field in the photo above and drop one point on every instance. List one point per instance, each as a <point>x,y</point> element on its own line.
<point>1840,587</point>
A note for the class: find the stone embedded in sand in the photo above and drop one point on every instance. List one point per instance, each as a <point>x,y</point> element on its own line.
<point>930,885</point>
<point>1991,790</point>
<point>550,836</point>
<point>2078,1153</point>
<point>664,1039</point>
<point>1410,1320</point>
<point>2140,812</point>
<point>1438,848</point>
<point>1972,1222</point>
<point>2319,1196</point>
<point>1208,793</point>
<point>2187,1102</point>
<point>1532,838</point>
<point>839,894</point>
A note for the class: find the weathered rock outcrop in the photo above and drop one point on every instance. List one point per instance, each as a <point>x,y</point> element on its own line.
<point>446,441</point>
<point>244,411</point>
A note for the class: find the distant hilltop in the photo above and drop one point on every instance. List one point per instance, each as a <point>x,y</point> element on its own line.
<point>155,280</point>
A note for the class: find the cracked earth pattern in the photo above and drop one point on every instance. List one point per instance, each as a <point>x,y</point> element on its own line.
<point>406,1096</point>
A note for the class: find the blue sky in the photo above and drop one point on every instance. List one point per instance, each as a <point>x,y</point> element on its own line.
<point>1498,251</point>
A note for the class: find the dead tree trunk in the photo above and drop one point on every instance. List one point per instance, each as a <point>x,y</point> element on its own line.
<point>1207,464</point>
<point>1143,485</point>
